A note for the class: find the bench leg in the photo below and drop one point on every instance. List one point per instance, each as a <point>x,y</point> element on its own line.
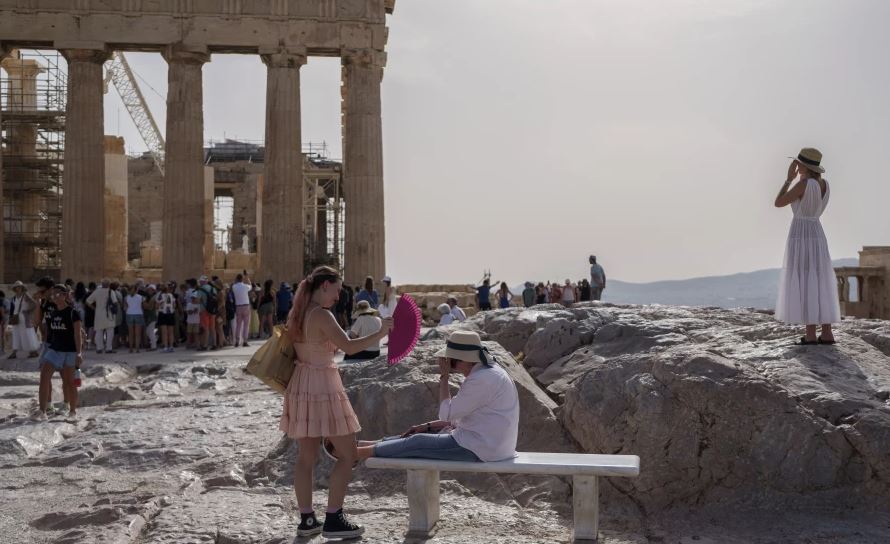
<point>423,502</point>
<point>585,500</point>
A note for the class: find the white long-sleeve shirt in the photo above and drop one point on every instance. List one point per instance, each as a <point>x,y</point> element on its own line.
<point>485,413</point>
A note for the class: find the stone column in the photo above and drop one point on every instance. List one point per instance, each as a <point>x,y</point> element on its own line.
<point>184,219</point>
<point>83,198</point>
<point>3,54</point>
<point>281,243</point>
<point>365,251</point>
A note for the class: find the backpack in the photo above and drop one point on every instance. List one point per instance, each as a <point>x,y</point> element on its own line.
<point>211,305</point>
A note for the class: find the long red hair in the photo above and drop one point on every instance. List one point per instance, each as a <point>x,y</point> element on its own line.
<point>297,316</point>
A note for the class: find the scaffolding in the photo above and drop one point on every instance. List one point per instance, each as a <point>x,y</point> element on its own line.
<point>324,210</point>
<point>33,89</point>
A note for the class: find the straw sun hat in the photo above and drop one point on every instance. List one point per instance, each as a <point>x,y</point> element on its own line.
<point>811,158</point>
<point>466,346</point>
<point>363,308</point>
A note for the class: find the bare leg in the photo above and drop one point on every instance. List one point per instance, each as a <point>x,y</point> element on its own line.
<point>138,338</point>
<point>69,388</point>
<point>811,333</point>
<point>303,471</point>
<point>827,334</point>
<point>44,392</point>
<point>342,473</point>
<point>365,452</point>
<point>132,337</point>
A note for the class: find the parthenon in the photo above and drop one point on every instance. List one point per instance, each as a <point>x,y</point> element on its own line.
<point>284,33</point>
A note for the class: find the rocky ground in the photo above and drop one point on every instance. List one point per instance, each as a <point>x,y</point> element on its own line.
<point>743,437</point>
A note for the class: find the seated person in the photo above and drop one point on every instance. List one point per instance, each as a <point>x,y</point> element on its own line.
<point>481,423</point>
<point>446,317</point>
<point>456,311</point>
<point>366,323</point>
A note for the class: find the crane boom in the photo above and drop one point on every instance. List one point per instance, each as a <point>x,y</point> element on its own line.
<point>121,75</point>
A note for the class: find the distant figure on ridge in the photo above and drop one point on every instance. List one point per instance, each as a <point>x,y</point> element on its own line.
<point>597,279</point>
<point>808,286</point>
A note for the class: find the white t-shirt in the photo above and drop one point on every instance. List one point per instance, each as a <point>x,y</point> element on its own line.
<point>241,291</point>
<point>134,304</point>
<point>458,313</point>
<point>568,293</point>
<point>165,303</point>
<point>446,319</point>
<point>485,413</point>
<point>193,313</point>
<point>366,325</point>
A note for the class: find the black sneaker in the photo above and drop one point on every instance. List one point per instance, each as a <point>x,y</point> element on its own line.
<point>337,526</point>
<point>309,525</point>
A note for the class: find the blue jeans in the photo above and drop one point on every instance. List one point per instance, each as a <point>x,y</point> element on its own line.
<point>424,446</point>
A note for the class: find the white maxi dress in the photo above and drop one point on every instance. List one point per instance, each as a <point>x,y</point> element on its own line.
<point>808,292</point>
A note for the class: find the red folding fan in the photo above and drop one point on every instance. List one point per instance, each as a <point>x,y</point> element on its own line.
<point>405,329</point>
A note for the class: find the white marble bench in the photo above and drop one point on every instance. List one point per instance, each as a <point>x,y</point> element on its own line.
<point>423,483</point>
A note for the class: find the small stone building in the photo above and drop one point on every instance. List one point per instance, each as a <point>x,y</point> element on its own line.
<point>870,285</point>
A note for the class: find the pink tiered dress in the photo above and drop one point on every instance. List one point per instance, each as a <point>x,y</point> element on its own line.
<point>315,403</point>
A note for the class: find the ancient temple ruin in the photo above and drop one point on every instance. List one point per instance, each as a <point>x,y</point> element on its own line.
<point>187,34</point>
<point>864,290</point>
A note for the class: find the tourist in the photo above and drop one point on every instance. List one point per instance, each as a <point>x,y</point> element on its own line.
<point>808,285</point>
<point>368,293</point>
<point>366,323</point>
<point>316,337</point>
<point>445,315</point>
<point>120,318</point>
<point>133,303</point>
<point>456,311</point>
<point>230,314</point>
<point>266,309</point>
<point>390,299</point>
<point>150,314</point>
<point>350,303</point>
<point>483,295</point>
<point>241,290</point>
<point>63,353</point>
<point>284,301</point>
<point>21,317</point>
<point>207,295</point>
<point>193,321</point>
<point>540,294</point>
<point>45,306</point>
<point>555,293</point>
<point>4,320</point>
<point>254,327</point>
<point>481,423</point>
<point>569,293</point>
<point>584,290</point>
<point>220,315</point>
<point>528,295</point>
<point>597,279</point>
<point>504,296</point>
<point>89,316</point>
<point>106,304</point>
<point>340,309</point>
<point>166,308</point>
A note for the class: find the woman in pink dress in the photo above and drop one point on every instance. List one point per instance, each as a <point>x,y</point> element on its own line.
<point>315,403</point>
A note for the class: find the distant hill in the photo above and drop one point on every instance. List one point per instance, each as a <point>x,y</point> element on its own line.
<point>749,289</point>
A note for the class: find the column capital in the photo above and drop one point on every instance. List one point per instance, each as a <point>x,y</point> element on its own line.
<point>186,54</point>
<point>90,54</point>
<point>366,58</point>
<point>284,57</point>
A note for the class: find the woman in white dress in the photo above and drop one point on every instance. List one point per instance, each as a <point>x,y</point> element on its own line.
<point>808,286</point>
<point>24,337</point>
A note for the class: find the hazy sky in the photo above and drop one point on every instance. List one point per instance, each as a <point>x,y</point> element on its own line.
<point>522,136</point>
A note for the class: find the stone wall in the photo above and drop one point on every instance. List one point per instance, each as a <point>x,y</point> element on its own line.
<point>146,204</point>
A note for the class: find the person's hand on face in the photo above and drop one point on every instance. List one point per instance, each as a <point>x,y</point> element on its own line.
<point>444,367</point>
<point>793,170</point>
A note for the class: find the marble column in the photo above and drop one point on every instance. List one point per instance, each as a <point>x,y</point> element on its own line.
<point>83,197</point>
<point>183,239</point>
<point>363,165</point>
<point>281,242</point>
<point>3,54</point>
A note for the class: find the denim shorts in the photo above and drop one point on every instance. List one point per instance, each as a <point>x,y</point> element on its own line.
<point>136,320</point>
<point>59,359</point>
<point>424,446</point>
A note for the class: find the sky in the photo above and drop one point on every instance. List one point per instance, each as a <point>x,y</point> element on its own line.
<point>523,136</point>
